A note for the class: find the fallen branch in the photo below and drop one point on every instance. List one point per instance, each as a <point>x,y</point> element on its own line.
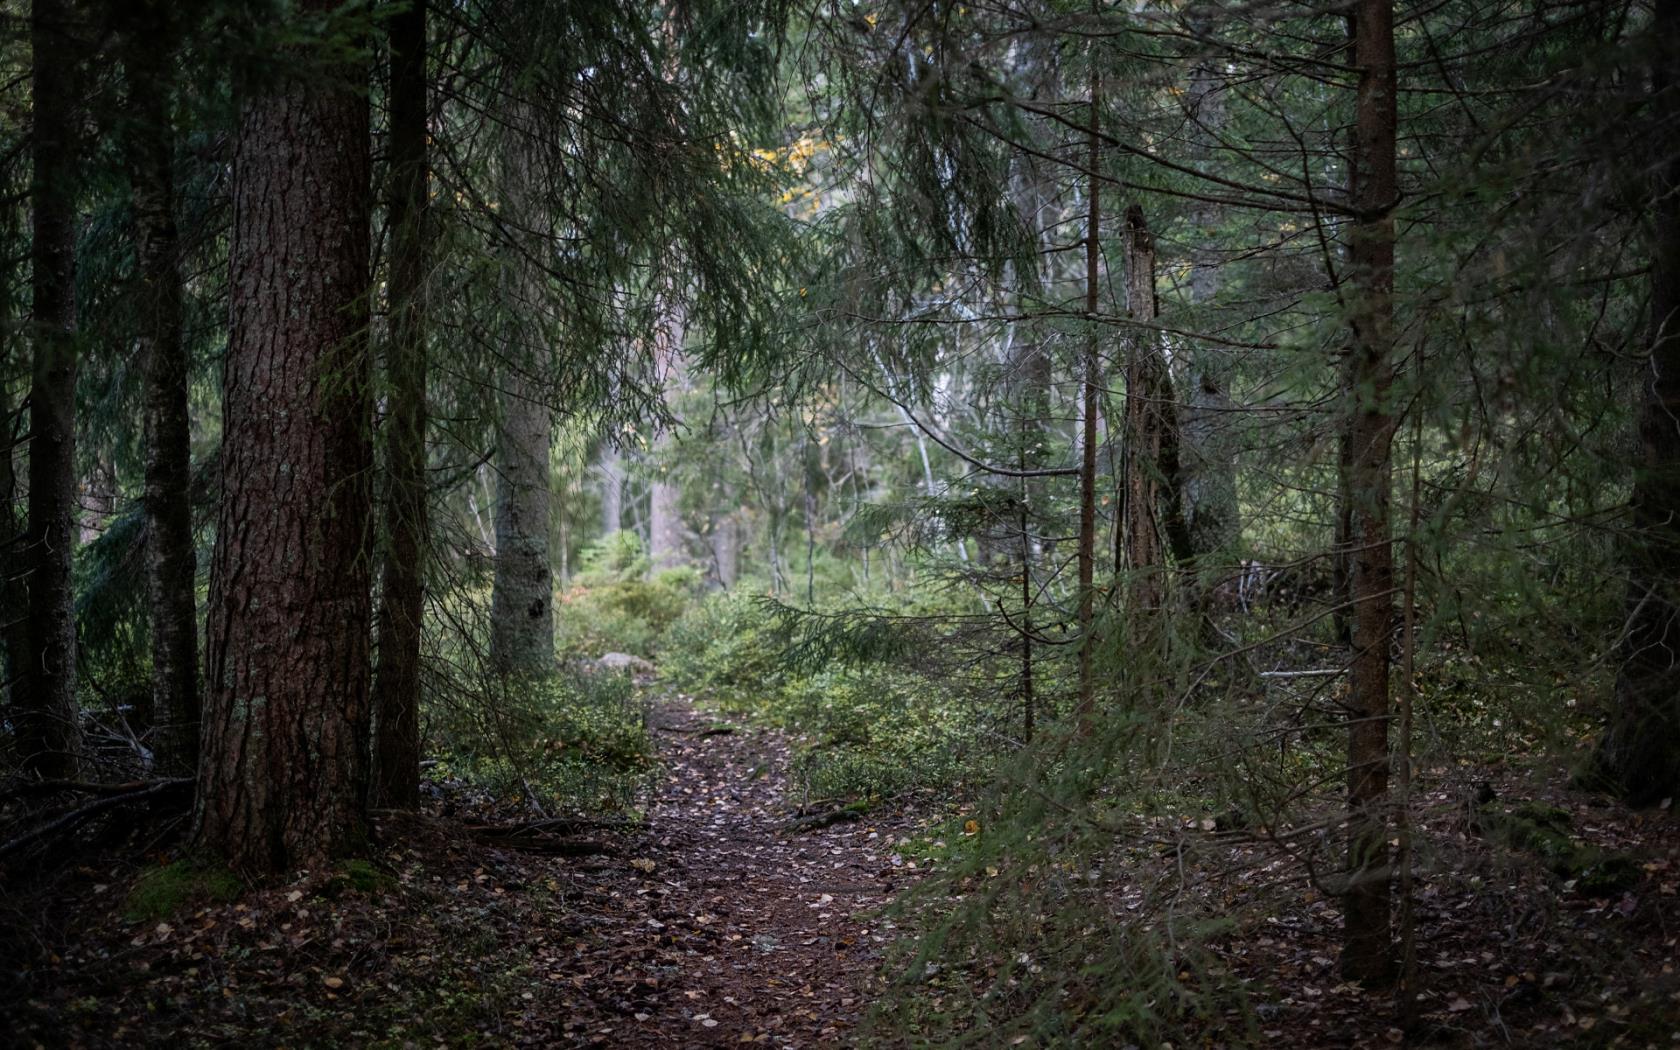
<point>713,731</point>
<point>825,819</point>
<point>80,814</point>
<point>530,841</point>
<point>42,788</point>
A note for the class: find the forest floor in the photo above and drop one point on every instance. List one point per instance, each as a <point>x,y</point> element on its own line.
<point>727,917</point>
<point>720,920</point>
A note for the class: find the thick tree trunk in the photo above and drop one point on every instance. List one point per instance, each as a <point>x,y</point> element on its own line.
<point>1153,513</point>
<point>522,596</point>
<point>667,539</point>
<point>1640,751</point>
<point>726,549</point>
<point>1367,952</point>
<point>44,698</point>
<point>283,782</point>
<point>14,616</point>
<point>171,562</point>
<point>522,593</point>
<point>402,596</point>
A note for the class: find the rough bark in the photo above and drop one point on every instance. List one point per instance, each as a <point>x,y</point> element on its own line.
<point>1367,951</point>
<point>1152,518</point>
<point>1640,751</point>
<point>283,782</point>
<point>44,697</point>
<point>171,562</point>
<point>402,595</point>
<point>13,612</point>
<point>522,593</point>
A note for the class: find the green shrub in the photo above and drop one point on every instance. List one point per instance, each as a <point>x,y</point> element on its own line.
<point>726,650</point>
<point>614,605</point>
<point>579,740</point>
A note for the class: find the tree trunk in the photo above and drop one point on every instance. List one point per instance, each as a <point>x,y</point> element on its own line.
<point>1085,711</point>
<point>171,561</point>
<point>1211,510</point>
<point>283,782</point>
<point>522,597</point>
<point>522,594</point>
<point>1367,951</point>
<point>14,618</point>
<point>396,683</point>
<point>611,469</point>
<point>726,549</point>
<point>1640,751</point>
<point>667,539</point>
<point>1153,523</point>
<point>44,698</point>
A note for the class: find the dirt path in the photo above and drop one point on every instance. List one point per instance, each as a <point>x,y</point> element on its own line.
<point>708,925</point>
<point>726,927</point>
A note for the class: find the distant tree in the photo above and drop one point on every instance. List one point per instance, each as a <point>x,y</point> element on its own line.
<point>283,779</point>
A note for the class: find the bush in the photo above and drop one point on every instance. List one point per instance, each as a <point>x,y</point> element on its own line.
<point>726,650</point>
<point>579,741</point>
<point>613,605</point>
<point>869,730</point>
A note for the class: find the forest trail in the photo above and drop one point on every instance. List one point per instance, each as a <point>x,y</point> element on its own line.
<point>729,928</point>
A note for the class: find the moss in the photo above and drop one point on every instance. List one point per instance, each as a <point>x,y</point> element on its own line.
<point>161,892</point>
<point>359,876</point>
<point>1543,830</point>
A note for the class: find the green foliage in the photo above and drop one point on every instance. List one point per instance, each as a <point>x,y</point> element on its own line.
<point>876,731</point>
<point>613,604</point>
<point>726,650</point>
<point>359,876</point>
<point>867,728</point>
<point>578,741</point>
<point>165,891</point>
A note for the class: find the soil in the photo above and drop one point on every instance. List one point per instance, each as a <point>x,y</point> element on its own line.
<point>711,923</point>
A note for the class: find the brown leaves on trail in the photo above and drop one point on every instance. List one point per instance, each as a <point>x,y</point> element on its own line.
<point>707,925</point>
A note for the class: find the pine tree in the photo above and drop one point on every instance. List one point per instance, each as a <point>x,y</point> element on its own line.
<point>283,782</point>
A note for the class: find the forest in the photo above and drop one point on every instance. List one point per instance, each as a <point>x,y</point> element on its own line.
<point>1022,523</point>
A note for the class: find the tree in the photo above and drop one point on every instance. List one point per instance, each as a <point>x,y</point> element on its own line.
<point>667,538</point>
<point>522,594</point>
<point>396,685</point>
<point>1640,751</point>
<point>45,695</point>
<point>283,780</point>
<point>171,563</point>
<point>1367,953</point>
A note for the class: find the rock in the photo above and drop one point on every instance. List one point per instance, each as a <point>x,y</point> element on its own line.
<point>623,662</point>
